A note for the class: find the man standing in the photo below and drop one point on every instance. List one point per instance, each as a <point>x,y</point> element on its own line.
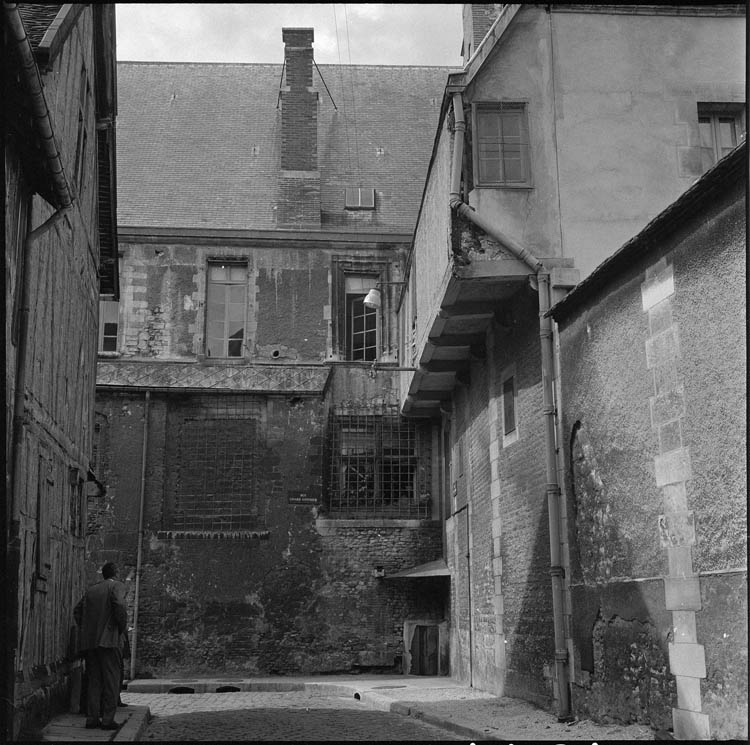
<point>102,616</point>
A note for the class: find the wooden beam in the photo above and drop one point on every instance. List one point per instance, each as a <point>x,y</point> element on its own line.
<point>493,269</point>
<point>440,366</point>
<point>430,395</point>
<point>456,340</point>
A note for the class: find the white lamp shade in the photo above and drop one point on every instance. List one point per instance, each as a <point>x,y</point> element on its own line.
<point>372,300</point>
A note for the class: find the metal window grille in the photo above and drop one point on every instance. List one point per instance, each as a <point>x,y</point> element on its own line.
<point>219,469</point>
<point>375,467</point>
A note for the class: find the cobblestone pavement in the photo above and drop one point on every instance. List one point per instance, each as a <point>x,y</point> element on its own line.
<point>297,715</point>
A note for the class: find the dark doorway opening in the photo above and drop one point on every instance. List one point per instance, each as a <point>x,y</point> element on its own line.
<point>424,650</point>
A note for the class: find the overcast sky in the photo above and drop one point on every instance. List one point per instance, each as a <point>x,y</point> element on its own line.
<point>360,33</point>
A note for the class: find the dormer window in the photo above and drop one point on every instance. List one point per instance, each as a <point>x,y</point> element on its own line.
<point>360,198</point>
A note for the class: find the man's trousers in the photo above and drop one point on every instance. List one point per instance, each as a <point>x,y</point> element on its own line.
<point>103,672</point>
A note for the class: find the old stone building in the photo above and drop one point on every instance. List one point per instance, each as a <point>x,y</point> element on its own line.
<point>261,482</point>
<point>569,128</point>
<point>59,106</point>
<point>653,375</point>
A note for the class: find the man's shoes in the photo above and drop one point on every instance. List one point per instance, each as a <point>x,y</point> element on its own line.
<point>112,725</point>
<point>93,724</point>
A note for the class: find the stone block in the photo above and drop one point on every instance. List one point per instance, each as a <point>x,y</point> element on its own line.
<point>662,348</point>
<point>690,725</point>
<point>680,559</point>
<point>689,161</point>
<point>677,529</point>
<point>673,467</point>
<point>683,626</point>
<point>666,377</point>
<point>660,317</point>
<point>688,693</point>
<point>658,287</point>
<point>667,406</point>
<point>497,566</point>
<point>688,660</point>
<point>675,497</point>
<point>670,436</point>
<point>682,593</point>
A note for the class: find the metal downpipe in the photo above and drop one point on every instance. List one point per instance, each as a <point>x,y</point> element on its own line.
<point>139,554</point>
<point>553,491</point>
<point>557,570</point>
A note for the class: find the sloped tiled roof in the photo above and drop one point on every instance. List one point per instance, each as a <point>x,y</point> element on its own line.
<point>37,18</point>
<point>199,144</point>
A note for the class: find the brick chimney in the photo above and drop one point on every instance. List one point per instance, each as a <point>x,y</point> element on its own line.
<point>477,20</point>
<point>299,192</point>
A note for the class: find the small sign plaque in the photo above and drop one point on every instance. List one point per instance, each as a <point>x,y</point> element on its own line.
<point>301,497</point>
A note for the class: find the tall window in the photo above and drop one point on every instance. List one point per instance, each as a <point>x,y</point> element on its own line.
<point>501,144</point>
<point>373,468</point>
<point>226,305</point>
<point>509,396</point>
<point>361,321</point>
<point>720,127</point>
<point>108,325</point>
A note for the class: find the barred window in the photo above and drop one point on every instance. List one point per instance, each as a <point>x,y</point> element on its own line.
<point>374,467</point>
<point>218,453</point>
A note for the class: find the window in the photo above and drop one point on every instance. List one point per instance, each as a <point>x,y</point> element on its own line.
<point>509,395</point>
<point>225,309</point>
<point>501,145</point>
<point>361,321</point>
<point>218,464</point>
<point>108,325</point>
<point>359,198</point>
<point>373,468</point>
<point>720,127</point>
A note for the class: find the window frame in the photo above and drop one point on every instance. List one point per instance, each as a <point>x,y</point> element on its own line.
<point>369,315</point>
<point>508,375</point>
<point>374,272</point>
<point>716,114</point>
<point>226,340</point>
<point>352,204</point>
<point>498,107</point>
<point>388,448</point>
<point>106,305</point>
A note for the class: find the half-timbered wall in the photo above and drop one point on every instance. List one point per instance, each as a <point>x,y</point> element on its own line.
<point>48,503</point>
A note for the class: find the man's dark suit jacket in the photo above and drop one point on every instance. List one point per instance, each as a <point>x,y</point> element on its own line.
<point>102,615</point>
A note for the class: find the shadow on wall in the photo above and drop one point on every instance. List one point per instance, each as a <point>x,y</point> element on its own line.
<point>620,627</point>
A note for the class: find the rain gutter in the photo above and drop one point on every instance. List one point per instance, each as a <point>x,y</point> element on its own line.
<point>553,492</point>
<point>42,120</point>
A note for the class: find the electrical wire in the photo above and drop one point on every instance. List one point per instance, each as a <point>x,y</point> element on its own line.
<point>354,107</point>
<point>341,80</point>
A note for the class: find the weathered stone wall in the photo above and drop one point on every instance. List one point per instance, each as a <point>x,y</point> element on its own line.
<point>653,377</point>
<point>291,592</point>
